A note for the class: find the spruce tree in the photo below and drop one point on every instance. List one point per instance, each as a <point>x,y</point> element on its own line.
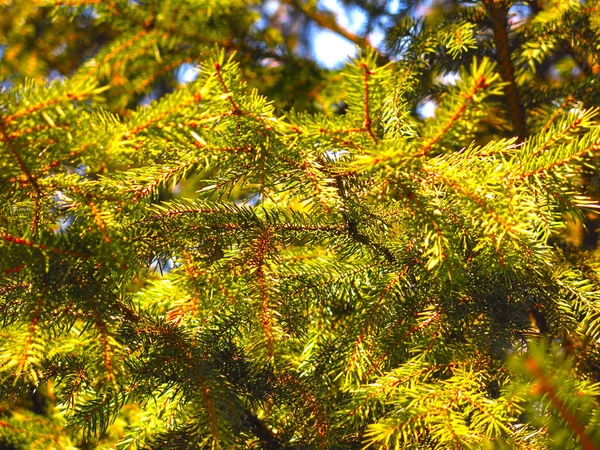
<point>279,256</point>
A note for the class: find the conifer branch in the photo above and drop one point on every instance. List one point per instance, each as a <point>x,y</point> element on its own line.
<point>64,159</point>
<point>367,121</point>
<point>431,142</point>
<point>13,270</point>
<point>412,199</point>
<point>206,395</point>
<point>115,51</point>
<point>266,316</point>
<point>498,13</point>
<point>25,358</point>
<point>99,222</point>
<point>562,133</point>
<point>433,318</point>
<point>67,97</point>
<point>480,84</point>
<point>474,197</point>
<point>107,352</point>
<point>544,386</point>
<point>568,101</point>
<point>28,243</point>
<point>30,178</point>
<point>328,22</point>
<point>352,361</point>
<point>32,130</point>
<point>151,78</point>
<point>234,106</point>
<point>161,116</point>
<point>312,177</point>
<point>384,390</point>
<point>592,147</point>
<point>288,381</point>
<point>176,314</point>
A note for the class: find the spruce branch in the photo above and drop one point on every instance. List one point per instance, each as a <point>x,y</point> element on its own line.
<point>566,103</point>
<point>366,329</point>
<point>367,121</point>
<point>266,313</point>
<point>498,13</point>
<point>573,152</point>
<point>480,202</point>
<point>43,247</point>
<point>26,172</point>
<point>30,354</point>
<point>327,21</point>
<point>545,386</point>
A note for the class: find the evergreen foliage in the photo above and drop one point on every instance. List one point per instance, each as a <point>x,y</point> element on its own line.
<point>283,257</point>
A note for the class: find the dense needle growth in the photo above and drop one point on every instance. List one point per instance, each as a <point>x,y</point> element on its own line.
<point>278,256</point>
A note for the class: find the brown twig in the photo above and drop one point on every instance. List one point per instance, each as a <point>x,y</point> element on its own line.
<point>328,22</point>
<point>481,83</point>
<point>367,121</point>
<point>30,178</point>
<point>498,13</point>
<point>545,386</point>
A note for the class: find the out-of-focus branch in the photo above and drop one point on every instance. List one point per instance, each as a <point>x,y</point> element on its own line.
<point>498,13</point>
<point>544,386</point>
<point>327,21</point>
